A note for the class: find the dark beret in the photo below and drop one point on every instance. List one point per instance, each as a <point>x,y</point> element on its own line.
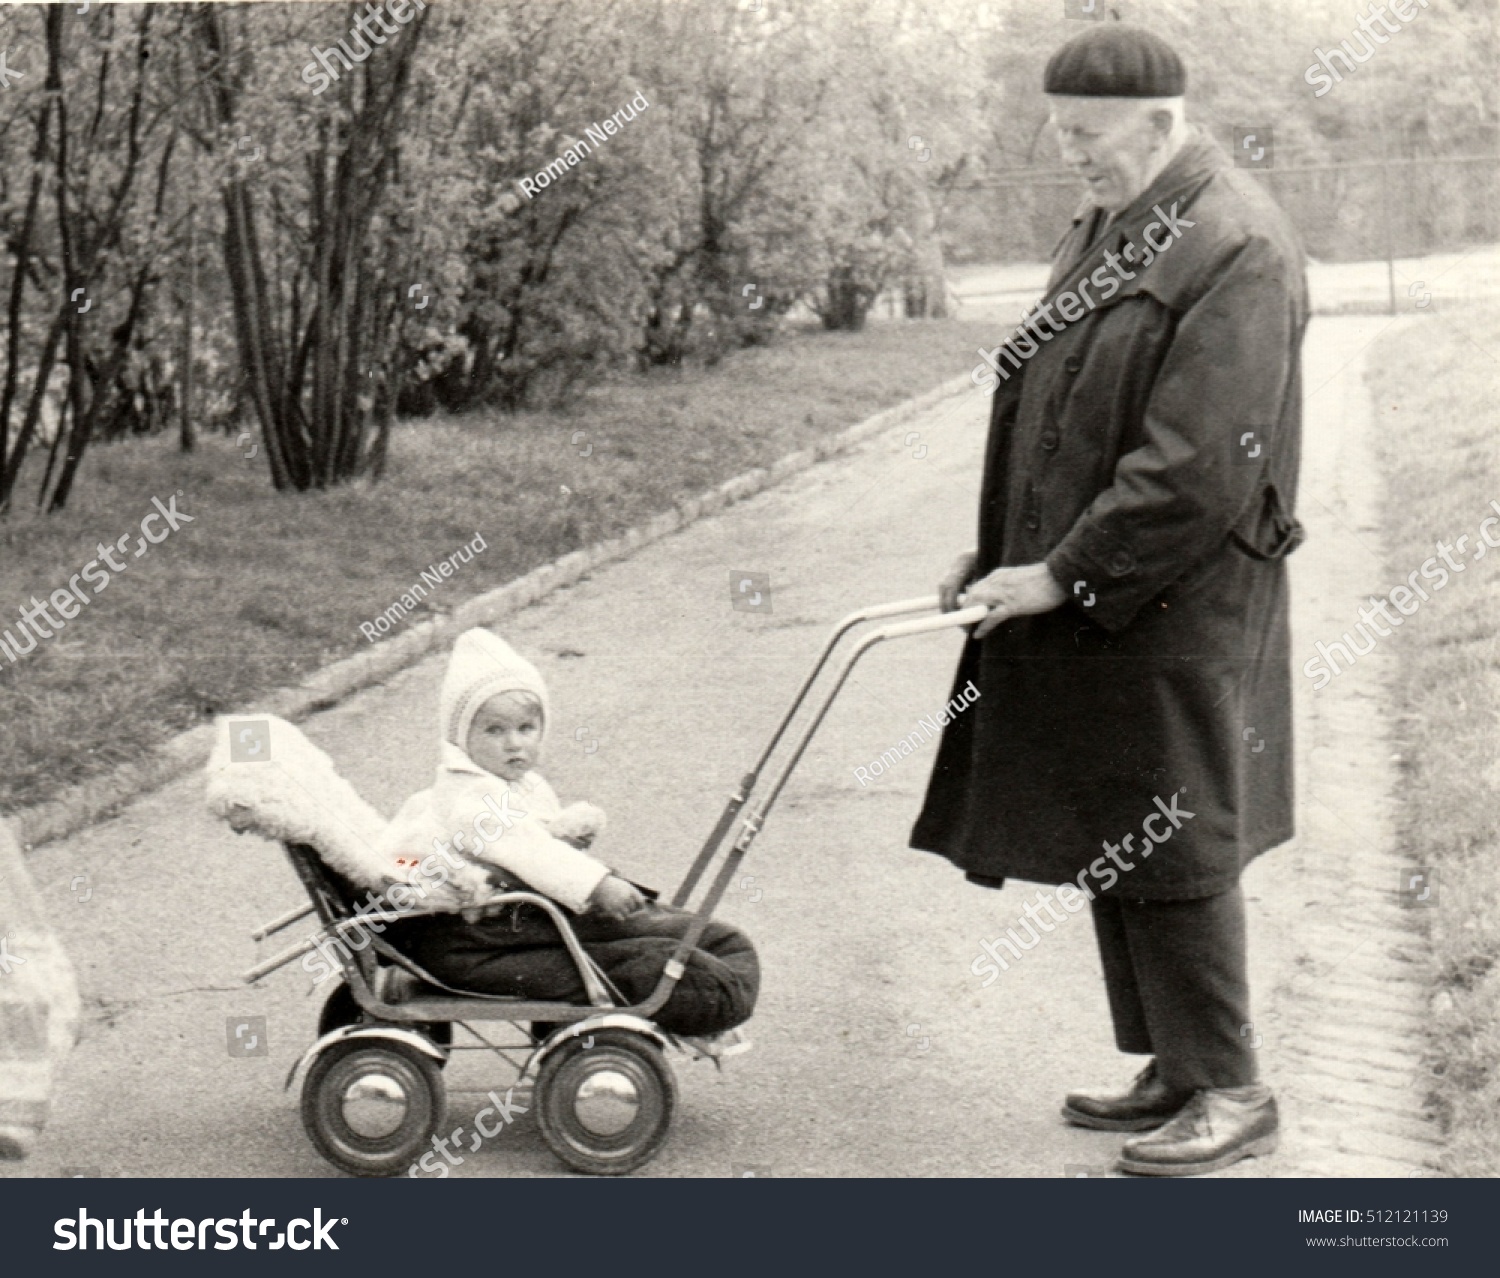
<point>1116,60</point>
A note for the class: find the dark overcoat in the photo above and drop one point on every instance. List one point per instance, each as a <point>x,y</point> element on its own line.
<point>1144,442</point>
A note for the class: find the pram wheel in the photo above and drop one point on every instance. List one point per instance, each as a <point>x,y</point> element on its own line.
<point>371,1106</point>
<point>606,1109</point>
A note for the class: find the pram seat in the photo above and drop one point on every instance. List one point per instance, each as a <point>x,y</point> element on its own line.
<point>265,777</point>
<point>390,985</point>
<point>373,1091</point>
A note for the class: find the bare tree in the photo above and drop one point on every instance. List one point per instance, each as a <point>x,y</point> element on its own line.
<point>310,343</point>
<point>94,165</point>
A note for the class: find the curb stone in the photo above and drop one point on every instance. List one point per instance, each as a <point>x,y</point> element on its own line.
<point>90,801</point>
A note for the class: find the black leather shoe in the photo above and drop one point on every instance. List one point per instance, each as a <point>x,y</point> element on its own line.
<point>1148,1103</point>
<point>1217,1127</point>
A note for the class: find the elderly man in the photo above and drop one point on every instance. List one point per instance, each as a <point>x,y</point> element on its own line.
<point>1136,509</point>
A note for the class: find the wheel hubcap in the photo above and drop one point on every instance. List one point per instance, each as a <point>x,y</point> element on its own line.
<point>374,1105</point>
<point>607,1102</point>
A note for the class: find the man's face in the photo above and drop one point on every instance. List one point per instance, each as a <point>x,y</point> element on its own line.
<point>1114,144</point>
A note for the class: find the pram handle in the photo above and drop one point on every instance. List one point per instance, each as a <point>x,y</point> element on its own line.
<point>962,617</point>
<point>901,607</point>
<point>925,603</point>
<point>752,825</point>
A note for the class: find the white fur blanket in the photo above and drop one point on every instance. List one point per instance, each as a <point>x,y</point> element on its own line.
<point>264,776</point>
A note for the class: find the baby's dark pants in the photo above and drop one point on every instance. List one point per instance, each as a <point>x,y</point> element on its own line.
<point>518,952</point>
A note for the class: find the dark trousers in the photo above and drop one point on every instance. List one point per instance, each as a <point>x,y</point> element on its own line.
<point>1178,990</point>
<point>517,952</point>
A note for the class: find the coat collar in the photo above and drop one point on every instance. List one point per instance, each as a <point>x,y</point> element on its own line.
<point>455,762</point>
<point>1082,253</point>
<point>1135,237</point>
<point>1185,174</point>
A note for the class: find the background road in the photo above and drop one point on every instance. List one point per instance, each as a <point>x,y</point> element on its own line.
<point>877,1052</point>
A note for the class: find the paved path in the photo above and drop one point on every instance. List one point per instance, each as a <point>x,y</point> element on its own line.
<point>877,1051</point>
<point>1422,285</point>
<point>1339,964</point>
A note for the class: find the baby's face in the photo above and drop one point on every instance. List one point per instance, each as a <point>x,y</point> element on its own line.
<point>505,737</point>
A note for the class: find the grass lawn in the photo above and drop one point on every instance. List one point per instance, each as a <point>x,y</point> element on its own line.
<point>1436,385</point>
<point>261,588</point>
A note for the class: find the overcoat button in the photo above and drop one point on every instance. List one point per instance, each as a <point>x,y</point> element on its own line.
<point>1033,522</point>
<point>1049,440</point>
<point>1072,363</point>
<point>1120,563</point>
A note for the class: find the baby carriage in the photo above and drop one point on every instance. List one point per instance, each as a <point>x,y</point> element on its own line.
<point>373,1092</point>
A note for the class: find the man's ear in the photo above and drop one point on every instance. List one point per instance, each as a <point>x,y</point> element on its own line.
<point>1161,121</point>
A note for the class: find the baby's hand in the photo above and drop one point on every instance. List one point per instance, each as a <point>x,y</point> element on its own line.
<point>615,899</point>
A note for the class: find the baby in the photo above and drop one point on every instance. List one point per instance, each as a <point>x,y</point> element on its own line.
<point>494,706</point>
<point>494,712</point>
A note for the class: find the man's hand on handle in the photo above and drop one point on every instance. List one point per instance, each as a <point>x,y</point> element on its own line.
<point>1008,592</point>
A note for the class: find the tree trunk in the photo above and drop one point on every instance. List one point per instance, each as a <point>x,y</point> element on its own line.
<point>927,294</point>
<point>187,431</point>
<point>86,240</point>
<point>848,302</point>
<point>310,394</point>
<point>11,461</point>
